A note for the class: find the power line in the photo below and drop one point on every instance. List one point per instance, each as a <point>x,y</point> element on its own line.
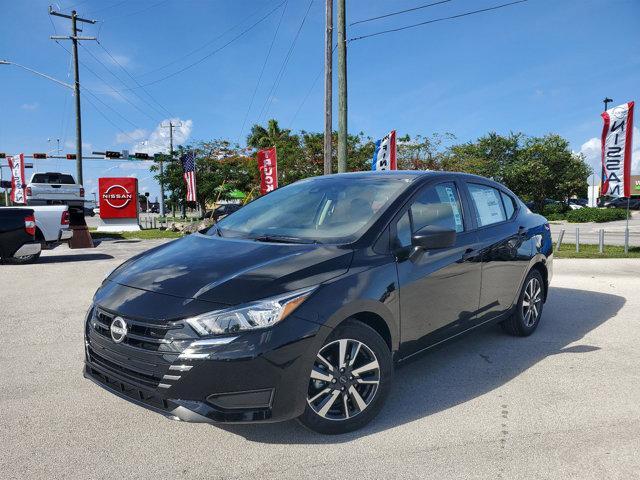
<point>201,47</point>
<point>264,65</point>
<point>398,13</point>
<point>111,87</point>
<point>436,20</point>
<point>280,74</point>
<point>240,35</point>
<point>108,119</point>
<point>133,78</point>
<point>117,17</point>
<point>122,81</point>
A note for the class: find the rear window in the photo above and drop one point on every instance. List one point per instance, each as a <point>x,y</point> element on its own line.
<point>53,178</point>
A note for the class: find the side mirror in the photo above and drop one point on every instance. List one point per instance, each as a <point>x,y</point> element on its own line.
<point>432,236</point>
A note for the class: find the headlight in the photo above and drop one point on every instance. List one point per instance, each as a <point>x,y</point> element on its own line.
<point>254,315</point>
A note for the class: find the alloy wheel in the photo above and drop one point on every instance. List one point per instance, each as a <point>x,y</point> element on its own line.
<point>344,380</point>
<point>532,302</point>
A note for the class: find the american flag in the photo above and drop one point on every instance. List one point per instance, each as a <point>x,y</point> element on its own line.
<point>189,168</point>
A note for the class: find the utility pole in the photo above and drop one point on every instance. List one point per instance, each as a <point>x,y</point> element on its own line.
<point>342,88</point>
<point>328,87</point>
<point>76,85</point>
<point>171,126</point>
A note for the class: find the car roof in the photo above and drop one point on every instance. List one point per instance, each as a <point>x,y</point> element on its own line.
<point>412,174</point>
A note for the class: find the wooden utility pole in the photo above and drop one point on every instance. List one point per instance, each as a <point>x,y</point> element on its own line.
<point>76,84</point>
<point>328,87</point>
<point>171,126</point>
<point>342,88</point>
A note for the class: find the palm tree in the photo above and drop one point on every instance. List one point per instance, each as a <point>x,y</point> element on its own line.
<point>261,137</point>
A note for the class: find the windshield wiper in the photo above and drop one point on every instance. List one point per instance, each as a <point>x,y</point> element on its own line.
<point>284,239</point>
<point>217,228</point>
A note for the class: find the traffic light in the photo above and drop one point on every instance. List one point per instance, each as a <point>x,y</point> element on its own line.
<point>71,156</point>
<point>109,154</point>
<point>3,155</point>
<point>39,155</point>
<point>141,156</point>
<point>5,184</point>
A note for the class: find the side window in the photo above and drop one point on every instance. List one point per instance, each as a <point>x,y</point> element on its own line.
<point>439,205</point>
<point>489,208</point>
<point>403,228</point>
<point>509,205</point>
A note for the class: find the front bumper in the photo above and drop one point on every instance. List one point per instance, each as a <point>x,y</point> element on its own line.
<point>261,376</point>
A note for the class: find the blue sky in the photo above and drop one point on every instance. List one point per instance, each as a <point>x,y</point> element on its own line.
<point>538,67</point>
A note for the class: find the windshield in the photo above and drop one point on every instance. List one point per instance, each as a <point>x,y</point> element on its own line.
<point>322,209</point>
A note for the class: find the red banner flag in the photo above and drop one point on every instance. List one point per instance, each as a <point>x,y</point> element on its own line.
<point>18,184</point>
<point>616,151</point>
<point>268,166</point>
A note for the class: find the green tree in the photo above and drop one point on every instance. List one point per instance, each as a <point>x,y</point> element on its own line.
<point>422,152</point>
<point>547,168</point>
<point>288,148</point>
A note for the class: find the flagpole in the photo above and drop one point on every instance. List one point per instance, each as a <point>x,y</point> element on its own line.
<point>626,228</point>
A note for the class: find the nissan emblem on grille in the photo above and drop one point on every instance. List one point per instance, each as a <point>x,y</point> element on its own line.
<point>118,329</point>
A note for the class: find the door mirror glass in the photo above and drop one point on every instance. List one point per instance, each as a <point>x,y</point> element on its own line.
<point>432,237</point>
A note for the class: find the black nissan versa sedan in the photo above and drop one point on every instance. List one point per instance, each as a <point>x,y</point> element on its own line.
<point>300,304</point>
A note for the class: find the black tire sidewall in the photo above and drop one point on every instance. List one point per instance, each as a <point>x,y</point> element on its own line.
<point>523,329</point>
<point>358,331</point>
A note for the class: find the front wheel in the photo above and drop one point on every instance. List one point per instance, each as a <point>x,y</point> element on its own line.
<point>349,380</point>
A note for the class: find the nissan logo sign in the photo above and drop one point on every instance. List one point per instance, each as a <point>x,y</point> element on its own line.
<point>117,196</point>
<point>118,329</point>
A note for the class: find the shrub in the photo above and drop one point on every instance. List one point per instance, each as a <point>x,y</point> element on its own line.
<point>598,215</point>
<point>554,217</point>
<point>555,208</point>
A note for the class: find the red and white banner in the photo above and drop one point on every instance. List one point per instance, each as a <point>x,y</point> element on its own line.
<point>617,145</point>
<point>18,183</point>
<point>268,166</point>
<point>384,156</point>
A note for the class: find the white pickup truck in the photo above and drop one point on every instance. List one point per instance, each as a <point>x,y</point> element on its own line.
<point>54,188</point>
<point>52,225</point>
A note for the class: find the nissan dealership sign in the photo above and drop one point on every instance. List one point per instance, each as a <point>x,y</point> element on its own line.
<point>118,197</point>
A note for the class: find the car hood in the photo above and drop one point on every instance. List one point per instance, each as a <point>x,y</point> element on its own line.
<point>231,271</point>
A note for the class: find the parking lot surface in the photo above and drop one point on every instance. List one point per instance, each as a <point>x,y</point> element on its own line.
<point>563,403</point>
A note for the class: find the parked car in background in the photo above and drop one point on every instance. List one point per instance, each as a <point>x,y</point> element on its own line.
<point>621,202</point>
<point>583,202</point>
<point>222,211</point>
<point>18,242</point>
<point>300,304</point>
<point>52,224</point>
<point>52,188</point>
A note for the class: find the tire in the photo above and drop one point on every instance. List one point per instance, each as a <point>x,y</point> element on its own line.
<point>24,260</point>
<point>526,318</point>
<point>356,394</point>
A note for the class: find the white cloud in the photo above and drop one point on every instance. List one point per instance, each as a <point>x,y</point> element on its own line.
<point>29,106</point>
<point>158,140</point>
<point>71,145</point>
<point>133,135</point>
<point>592,151</point>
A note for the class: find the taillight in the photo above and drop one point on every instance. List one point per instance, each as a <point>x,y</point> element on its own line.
<point>65,218</point>
<point>28,191</point>
<point>82,192</point>
<point>30,225</point>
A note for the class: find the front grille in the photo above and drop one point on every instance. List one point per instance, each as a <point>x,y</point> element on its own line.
<point>145,354</point>
<point>144,335</point>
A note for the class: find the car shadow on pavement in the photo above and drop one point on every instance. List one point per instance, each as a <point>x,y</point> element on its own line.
<point>81,257</point>
<point>466,368</point>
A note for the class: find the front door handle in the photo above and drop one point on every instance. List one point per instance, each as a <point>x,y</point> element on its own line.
<point>468,254</point>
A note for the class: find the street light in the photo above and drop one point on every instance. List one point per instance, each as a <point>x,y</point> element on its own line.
<point>6,62</point>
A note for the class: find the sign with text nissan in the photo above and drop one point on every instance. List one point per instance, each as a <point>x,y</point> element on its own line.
<point>118,197</point>
<point>268,166</point>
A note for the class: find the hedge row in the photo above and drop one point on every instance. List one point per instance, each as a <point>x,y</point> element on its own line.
<point>587,214</point>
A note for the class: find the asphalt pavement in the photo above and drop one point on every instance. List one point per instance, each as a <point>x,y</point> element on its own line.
<point>560,404</point>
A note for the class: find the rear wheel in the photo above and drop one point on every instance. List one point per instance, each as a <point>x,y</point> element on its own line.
<point>349,380</point>
<point>526,318</point>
